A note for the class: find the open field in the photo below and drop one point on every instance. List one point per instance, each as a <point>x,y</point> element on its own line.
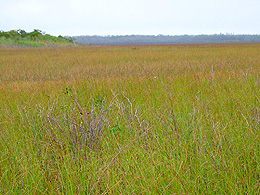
<point>166,119</point>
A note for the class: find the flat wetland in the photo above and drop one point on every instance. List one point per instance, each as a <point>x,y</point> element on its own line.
<point>150,119</point>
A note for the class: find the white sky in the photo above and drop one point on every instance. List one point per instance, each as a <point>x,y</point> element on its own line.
<point>121,17</point>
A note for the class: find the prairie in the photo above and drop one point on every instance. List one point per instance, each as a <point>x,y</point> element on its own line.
<point>164,119</point>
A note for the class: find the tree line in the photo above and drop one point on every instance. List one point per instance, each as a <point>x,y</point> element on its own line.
<point>35,38</point>
<point>165,39</point>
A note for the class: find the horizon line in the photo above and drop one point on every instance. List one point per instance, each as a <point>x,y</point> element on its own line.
<point>111,35</point>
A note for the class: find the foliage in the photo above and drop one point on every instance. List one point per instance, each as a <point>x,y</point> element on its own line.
<point>36,38</point>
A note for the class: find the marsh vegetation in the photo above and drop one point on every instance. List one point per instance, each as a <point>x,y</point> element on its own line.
<point>175,119</point>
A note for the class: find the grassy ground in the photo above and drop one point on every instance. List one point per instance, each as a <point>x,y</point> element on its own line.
<point>175,119</point>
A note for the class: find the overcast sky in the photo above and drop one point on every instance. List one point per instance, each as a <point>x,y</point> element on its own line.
<point>121,17</point>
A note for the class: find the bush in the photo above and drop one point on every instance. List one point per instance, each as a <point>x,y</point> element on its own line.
<point>36,38</point>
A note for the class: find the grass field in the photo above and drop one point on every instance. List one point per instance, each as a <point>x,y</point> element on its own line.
<point>165,119</point>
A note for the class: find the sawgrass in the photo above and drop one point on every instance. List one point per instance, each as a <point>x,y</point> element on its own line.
<point>169,119</point>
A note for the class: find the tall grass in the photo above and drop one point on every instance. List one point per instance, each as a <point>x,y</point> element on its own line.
<point>177,119</point>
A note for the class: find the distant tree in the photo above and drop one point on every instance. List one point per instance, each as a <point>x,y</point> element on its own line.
<point>5,34</point>
<point>2,33</point>
<point>13,33</point>
<point>34,34</point>
<point>22,33</point>
<point>70,39</point>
